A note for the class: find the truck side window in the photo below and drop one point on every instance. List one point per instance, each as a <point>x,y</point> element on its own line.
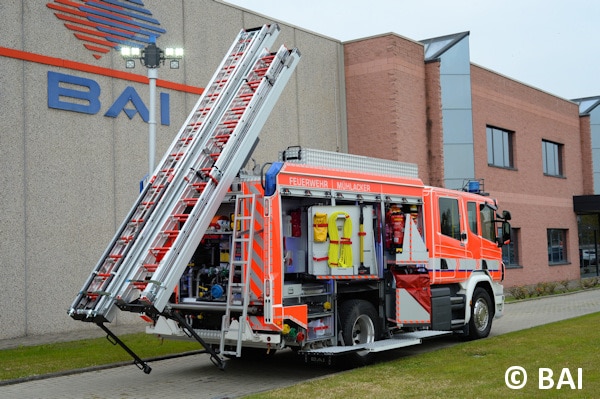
<point>449,219</point>
<point>487,223</point>
<point>472,216</point>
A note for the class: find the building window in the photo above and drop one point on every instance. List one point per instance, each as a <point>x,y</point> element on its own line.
<point>499,147</point>
<point>557,246</point>
<point>510,252</point>
<point>552,158</point>
<point>449,220</point>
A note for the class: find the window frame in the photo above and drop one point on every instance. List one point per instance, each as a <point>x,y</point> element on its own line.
<point>510,251</point>
<point>505,139</point>
<point>555,157</point>
<point>454,208</point>
<point>557,240</point>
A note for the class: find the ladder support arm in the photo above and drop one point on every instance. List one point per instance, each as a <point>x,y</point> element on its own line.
<point>113,339</point>
<point>214,356</point>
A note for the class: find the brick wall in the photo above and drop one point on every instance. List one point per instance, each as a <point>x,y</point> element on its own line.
<point>394,112</point>
<point>537,202</point>
<point>386,99</point>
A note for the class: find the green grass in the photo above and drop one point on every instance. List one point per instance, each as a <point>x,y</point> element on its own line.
<point>474,369</point>
<point>30,361</point>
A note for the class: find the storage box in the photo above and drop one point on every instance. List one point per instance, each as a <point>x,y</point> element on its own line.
<point>291,290</point>
<point>320,328</point>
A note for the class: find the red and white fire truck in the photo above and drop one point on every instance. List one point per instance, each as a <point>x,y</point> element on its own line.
<point>324,253</point>
<point>332,254</point>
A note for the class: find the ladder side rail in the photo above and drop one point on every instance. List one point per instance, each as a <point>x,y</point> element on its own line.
<point>242,141</point>
<point>117,284</point>
<point>233,259</point>
<point>246,228</point>
<point>246,258</point>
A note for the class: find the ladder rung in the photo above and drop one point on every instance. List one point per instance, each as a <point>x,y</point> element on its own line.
<point>222,138</point>
<point>188,139</point>
<point>140,285</point>
<point>181,217</point>
<point>262,71</point>
<point>171,233</point>
<point>151,267</point>
<point>126,239</point>
<point>159,250</point>
<point>190,201</point>
<point>199,186</point>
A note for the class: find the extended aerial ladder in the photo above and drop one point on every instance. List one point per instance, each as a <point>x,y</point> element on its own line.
<point>142,265</point>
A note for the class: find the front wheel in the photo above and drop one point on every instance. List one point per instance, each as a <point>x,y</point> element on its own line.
<point>359,326</point>
<point>481,314</point>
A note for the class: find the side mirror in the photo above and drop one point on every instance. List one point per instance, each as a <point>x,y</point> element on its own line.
<point>505,239</point>
<point>506,215</point>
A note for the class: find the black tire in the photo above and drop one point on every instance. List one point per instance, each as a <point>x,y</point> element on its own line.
<point>359,325</point>
<point>482,313</point>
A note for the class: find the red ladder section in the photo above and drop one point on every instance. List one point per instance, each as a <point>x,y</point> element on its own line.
<point>97,285</point>
<point>197,181</point>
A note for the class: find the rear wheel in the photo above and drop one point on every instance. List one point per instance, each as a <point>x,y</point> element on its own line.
<point>481,314</point>
<point>359,326</point>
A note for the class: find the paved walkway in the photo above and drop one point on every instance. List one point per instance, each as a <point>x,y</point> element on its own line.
<point>196,377</point>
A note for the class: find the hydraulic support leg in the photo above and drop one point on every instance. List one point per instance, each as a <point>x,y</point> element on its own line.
<point>214,356</point>
<point>113,339</point>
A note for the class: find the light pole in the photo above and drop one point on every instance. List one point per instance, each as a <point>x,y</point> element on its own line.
<point>151,57</point>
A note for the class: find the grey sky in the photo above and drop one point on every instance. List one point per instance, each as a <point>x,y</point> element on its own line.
<point>552,45</point>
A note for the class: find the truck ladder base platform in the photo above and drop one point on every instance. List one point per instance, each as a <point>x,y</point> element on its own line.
<point>396,342</point>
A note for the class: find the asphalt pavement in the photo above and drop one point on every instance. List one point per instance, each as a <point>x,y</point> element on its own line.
<point>196,377</point>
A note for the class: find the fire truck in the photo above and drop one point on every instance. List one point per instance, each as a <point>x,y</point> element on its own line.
<point>326,253</point>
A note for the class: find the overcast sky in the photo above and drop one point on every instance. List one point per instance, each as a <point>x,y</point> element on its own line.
<point>553,45</point>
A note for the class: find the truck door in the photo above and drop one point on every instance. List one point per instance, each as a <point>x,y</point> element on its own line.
<point>473,242</point>
<point>481,245</point>
<point>450,236</point>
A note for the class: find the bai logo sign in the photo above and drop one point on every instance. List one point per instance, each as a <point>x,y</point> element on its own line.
<point>77,94</point>
<point>104,25</point>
